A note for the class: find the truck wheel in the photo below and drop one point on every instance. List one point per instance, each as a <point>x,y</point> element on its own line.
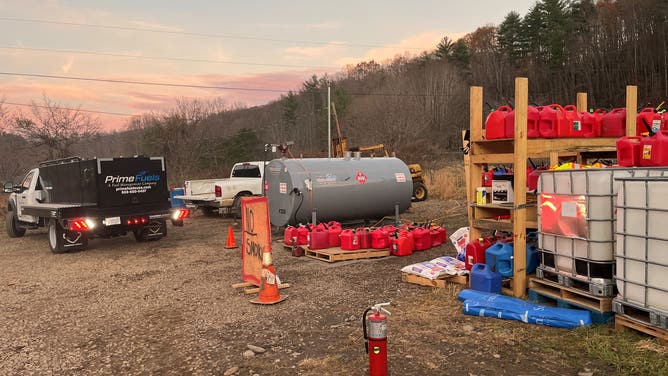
<point>14,230</point>
<point>61,240</point>
<point>420,191</point>
<point>154,230</point>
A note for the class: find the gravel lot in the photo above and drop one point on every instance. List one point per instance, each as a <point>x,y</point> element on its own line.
<point>167,307</point>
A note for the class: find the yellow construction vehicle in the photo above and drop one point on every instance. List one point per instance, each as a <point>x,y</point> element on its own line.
<point>340,146</point>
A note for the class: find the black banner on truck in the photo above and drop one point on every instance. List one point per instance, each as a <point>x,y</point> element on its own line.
<point>128,181</point>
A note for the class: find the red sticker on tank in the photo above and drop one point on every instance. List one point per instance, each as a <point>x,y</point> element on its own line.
<point>361,178</point>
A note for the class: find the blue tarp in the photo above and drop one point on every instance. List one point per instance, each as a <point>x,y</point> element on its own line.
<point>484,304</point>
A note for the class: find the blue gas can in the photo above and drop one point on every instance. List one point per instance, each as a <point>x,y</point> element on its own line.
<point>484,279</point>
<point>532,258</point>
<point>499,258</point>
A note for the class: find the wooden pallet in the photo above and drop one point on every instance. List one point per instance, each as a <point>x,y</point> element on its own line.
<point>570,295</point>
<point>338,254</point>
<point>622,323</point>
<point>440,283</point>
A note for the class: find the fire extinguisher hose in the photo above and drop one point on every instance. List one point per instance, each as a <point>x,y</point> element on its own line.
<point>366,336</point>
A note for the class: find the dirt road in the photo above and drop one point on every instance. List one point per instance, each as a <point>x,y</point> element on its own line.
<point>167,307</point>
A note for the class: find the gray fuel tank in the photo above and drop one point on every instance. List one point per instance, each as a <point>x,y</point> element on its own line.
<point>337,189</point>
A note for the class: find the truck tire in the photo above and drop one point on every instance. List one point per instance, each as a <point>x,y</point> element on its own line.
<point>420,191</point>
<point>153,230</point>
<point>61,240</point>
<point>14,230</point>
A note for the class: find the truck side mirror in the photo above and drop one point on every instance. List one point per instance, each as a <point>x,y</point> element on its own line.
<point>9,187</point>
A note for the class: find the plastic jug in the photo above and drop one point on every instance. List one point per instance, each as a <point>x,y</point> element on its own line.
<point>629,151</point>
<point>533,116</point>
<point>422,239</point>
<point>654,151</point>
<point>487,177</point>
<point>552,122</point>
<point>289,235</point>
<point>613,124</point>
<point>475,252</point>
<point>590,123</point>
<point>532,178</point>
<point>648,119</point>
<point>533,258</point>
<point>402,244</point>
<point>319,238</point>
<point>443,233</point>
<point>499,257</point>
<point>333,224</point>
<point>349,240</point>
<point>484,279</point>
<point>303,235</point>
<point>334,233</point>
<point>364,236</point>
<point>495,123</point>
<point>390,229</point>
<point>435,236</point>
<point>574,121</point>
<point>379,239</point>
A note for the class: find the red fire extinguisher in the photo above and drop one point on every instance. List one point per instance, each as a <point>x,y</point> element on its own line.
<point>375,340</point>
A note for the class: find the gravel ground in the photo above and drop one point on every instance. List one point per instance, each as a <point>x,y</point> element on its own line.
<point>167,307</point>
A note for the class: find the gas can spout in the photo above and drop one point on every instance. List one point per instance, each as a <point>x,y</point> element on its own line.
<point>379,308</point>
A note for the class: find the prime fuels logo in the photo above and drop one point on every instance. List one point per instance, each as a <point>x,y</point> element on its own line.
<point>140,177</point>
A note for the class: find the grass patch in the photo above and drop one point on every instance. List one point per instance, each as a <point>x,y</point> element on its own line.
<point>447,183</point>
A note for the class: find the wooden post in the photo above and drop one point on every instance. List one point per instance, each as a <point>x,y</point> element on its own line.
<point>631,109</point>
<point>474,176</point>
<point>582,102</point>
<point>520,180</point>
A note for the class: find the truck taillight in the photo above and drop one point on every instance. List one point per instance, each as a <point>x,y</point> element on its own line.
<point>135,221</point>
<point>78,224</point>
<point>219,191</point>
<point>180,214</point>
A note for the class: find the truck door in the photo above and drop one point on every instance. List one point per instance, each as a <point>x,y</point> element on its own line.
<point>31,192</point>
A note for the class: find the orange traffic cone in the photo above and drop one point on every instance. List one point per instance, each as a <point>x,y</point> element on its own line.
<point>231,244</point>
<point>268,283</point>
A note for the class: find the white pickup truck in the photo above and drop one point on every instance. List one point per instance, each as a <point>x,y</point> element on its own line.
<point>214,196</point>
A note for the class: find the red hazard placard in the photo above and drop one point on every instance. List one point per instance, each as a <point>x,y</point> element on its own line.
<point>361,178</point>
<point>255,238</point>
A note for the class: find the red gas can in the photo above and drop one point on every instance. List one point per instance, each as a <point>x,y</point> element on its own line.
<point>435,236</point>
<point>553,123</point>
<point>533,116</point>
<point>349,240</point>
<point>334,233</point>
<point>629,151</point>
<point>654,150</point>
<point>574,121</point>
<point>319,238</point>
<point>647,119</point>
<point>613,124</point>
<point>379,239</point>
<point>442,233</point>
<point>390,229</point>
<point>290,235</point>
<point>402,245</point>
<point>591,123</point>
<point>495,124</point>
<point>487,177</point>
<point>422,239</point>
<point>364,236</point>
<point>475,252</point>
<point>303,235</point>
<point>333,224</point>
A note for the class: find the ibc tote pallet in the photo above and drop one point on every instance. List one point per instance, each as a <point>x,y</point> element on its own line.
<point>570,295</point>
<point>622,323</point>
<point>637,313</point>
<point>516,151</point>
<point>599,287</point>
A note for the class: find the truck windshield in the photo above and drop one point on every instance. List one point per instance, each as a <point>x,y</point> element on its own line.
<point>246,171</point>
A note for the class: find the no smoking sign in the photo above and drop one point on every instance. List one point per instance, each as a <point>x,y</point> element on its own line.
<point>361,178</point>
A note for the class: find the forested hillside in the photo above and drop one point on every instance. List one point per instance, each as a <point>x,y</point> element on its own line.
<point>417,105</point>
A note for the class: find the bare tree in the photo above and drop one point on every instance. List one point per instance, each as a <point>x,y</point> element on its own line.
<point>55,127</point>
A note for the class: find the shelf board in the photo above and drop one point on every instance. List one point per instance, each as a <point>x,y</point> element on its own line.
<point>501,224</point>
<point>500,206</point>
<point>539,147</point>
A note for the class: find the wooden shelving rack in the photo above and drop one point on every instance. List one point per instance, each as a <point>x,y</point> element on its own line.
<point>516,152</point>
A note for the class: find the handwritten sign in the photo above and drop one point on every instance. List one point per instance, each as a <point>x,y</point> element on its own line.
<point>255,237</point>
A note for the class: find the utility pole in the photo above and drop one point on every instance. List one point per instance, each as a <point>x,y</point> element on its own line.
<point>329,121</point>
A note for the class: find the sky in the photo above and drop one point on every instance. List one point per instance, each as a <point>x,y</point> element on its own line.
<point>245,52</point>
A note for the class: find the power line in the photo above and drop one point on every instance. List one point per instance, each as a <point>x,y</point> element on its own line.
<point>206,35</point>
<point>70,108</point>
<point>94,53</point>
<point>167,84</point>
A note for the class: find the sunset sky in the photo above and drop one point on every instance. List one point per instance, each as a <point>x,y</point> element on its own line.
<point>266,45</point>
